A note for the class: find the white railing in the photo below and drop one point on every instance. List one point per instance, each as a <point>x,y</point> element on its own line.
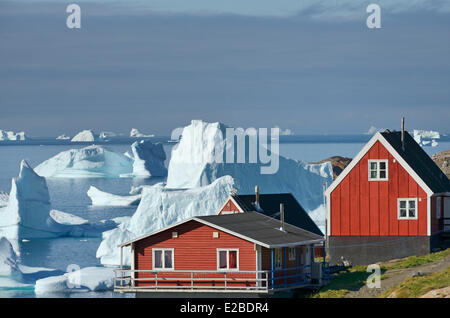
<point>127,280</point>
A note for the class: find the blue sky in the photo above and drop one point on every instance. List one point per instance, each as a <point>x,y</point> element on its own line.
<point>310,66</point>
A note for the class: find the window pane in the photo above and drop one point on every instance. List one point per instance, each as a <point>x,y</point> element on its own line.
<point>403,213</point>
<point>233,259</point>
<point>382,174</point>
<point>223,259</point>
<point>167,259</point>
<point>403,204</point>
<point>373,166</point>
<point>412,204</point>
<point>373,174</point>
<point>158,259</point>
<point>382,165</point>
<point>412,213</point>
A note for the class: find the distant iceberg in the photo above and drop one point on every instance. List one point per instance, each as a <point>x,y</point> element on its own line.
<point>12,136</point>
<point>99,197</point>
<point>63,137</point>
<point>86,136</point>
<point>426,137</point>
<point>146,159</point>
<point>28,213</point>
<point>135,133</point>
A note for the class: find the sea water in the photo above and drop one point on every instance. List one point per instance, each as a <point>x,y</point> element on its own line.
<point>69,195</point>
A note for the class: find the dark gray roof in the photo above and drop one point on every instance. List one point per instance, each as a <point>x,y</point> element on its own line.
<point>419,161</point>
<point>294,213</point>
<point>261,229</point>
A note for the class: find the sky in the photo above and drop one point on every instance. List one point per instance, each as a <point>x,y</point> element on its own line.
<point>309,66</point>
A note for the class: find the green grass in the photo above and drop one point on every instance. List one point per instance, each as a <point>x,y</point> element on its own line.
<point>341,284</point>
<point>417,286</point>
<point>414,261</point>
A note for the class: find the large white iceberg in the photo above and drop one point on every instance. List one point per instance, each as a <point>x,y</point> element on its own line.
<point>85,279</point>
<point>87,135</point>
<point>28,213</point>
<point>147,159</point>
<point>160,207</point>
<point>426,137</point>
<point>88,162</point>
<point>11,135</point>
<point>194,163</point>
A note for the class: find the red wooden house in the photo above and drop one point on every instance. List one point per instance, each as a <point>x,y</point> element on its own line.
<point>391,201</point>
<point>239,253</point>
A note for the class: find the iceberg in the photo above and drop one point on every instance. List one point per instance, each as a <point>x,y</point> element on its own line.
<point>99,197</point>
<point>426,137</point>
<point>12,136</point>
<point>148,159</point>
<point>194,164</point>
<point>86,136</point>
<point>4,198</point>
<point>135,133</point>
<point>28,213</point>
<point>160,207</point>
<point>85,279</point>
<point>14,274</point>
<point>63,137</point>
<point>88,162</point>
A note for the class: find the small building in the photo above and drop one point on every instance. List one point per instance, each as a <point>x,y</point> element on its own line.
<point>235,253</point>
<point>391,201</point>
<point>269,205</point>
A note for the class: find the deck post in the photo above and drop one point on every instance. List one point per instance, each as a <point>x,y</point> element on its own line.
<point>272,265</point>
<point>285,266</point>
<point>121,258</point>
<point>296,264</point>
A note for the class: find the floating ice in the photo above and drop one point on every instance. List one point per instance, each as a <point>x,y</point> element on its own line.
<point>14,274</point>
<point>88,162</point>
<point>160,207</point>
<point>147,159</point>
<point>194,163</point>
<point>28,213</point>
<point>99,197</point>
<point>426,137</point>
<point>85,279</point>
<point>86,136</point>
<point>135,133</point>
<point>63,137</point>
<point>12,136</point>
<point>4,198</point>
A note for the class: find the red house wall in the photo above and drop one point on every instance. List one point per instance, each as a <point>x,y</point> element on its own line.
<point>360,207</point>
<point>229,207</point>
<point>195,249</point>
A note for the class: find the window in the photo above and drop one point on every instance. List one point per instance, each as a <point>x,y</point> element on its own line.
<point>278,258</point>
<point>438,207</point>
<point>227,259</point>
<point>292,253</point>
<point>407,209</point>
<point>163,259</point>
<point>378,170</point>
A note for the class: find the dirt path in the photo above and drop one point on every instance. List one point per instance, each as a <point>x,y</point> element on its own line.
<point>396,276</point>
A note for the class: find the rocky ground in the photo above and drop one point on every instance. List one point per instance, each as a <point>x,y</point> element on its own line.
<point>442,159</point>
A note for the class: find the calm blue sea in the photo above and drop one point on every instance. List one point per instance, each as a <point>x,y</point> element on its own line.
<point>69,195</point>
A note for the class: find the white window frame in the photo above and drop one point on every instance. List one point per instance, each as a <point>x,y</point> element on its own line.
<point>407,209</point>
<point>292,252</point>
<point>163,252</point>
<point>377,161</point>
<point>228,269</point>
<point>278,263</point>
